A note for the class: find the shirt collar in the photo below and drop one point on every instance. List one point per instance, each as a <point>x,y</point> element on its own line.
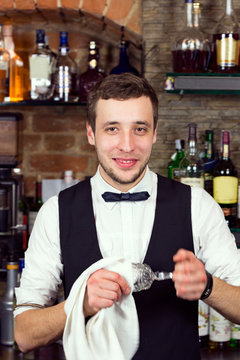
<point>99,186</point>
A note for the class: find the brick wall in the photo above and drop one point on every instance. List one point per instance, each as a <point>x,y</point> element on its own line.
<point>162,19</point>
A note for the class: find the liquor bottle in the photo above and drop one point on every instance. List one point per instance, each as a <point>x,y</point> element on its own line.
<point>196,24</point>
<point>219,331</point>
<point>235,336</point>
<point>225,182</point>
<point>189,50</point>
<point>203,323</point>
<point>65,73</point>
<point>4,70</point>
<point>225,57</point>
<point>176,158</point>
<point>191,166</point>
<point>35,207</point>
<point>40,63</point>
<point>90,77</point>
<point>8,303</point>
<point>17,89</point>
<point>209,162</point>
<point>23,214</point>
<point>68,179</point>
<point>124,64</point>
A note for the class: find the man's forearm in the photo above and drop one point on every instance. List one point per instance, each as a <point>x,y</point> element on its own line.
<point>34,328</point>
<point>225,299</point>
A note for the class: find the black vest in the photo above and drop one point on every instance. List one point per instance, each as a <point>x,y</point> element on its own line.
<point>168,325</point>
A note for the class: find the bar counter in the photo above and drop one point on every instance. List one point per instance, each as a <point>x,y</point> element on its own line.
<point>55,352</point>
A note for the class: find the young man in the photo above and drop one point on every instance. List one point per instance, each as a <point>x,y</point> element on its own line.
<point>174,228</point>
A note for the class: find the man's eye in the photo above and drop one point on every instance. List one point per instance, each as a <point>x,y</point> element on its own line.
<point>140,130</point>
<point>111,129</point>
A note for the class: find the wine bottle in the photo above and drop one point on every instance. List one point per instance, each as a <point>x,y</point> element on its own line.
<point>191,166</point>
<point>124,64</point>
<point>203,323</point>
<point>189,50</point>
<point>40,63</point>
<point>219,331</point>
<point>225,57</point>
<point>225,182</point>
<point>209,162</point>
<point>65,72</point>
<point>177,157</point>
<point>35,207</point>
<point>235,336</point>
<point>17,89</point>
<point>4,70</point>
<point>89,78</point>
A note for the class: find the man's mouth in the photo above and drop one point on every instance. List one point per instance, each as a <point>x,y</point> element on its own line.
<point>125,163</point>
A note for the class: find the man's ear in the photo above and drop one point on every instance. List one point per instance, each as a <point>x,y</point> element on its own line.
<point>90,134</point>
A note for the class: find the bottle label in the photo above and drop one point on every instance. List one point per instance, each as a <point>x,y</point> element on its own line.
<point>235,332</point>
<point>193,181</point>
<point>220,328</point>
<point>225,189</point>
<point>227,52</point>
<point>40,67</point>
<point>203,317</point>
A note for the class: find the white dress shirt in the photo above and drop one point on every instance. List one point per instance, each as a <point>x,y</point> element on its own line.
<point>124,229</point>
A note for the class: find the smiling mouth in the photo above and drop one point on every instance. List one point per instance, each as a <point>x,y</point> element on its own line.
<point>125,163</point>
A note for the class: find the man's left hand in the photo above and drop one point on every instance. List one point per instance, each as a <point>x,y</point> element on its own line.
<point>189,275</point>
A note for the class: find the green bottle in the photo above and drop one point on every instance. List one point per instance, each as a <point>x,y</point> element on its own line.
<point>176,158</point>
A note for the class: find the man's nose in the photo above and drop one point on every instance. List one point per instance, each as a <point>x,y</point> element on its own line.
<point>126,142</point>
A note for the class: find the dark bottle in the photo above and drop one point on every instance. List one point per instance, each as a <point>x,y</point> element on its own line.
<point>225,57</point>
<point>89,78</point>
<point>35,207</point>
<point>209,162</point>
<point>124,65</point>
<point>225,182</point>
<point>65,73</point>
<point>190,51</point>
<point>177,157</point>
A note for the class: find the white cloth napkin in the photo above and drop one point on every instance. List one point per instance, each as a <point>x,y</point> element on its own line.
<point>112,333</point>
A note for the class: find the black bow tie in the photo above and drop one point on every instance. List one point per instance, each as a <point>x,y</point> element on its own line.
<point>137,196</point>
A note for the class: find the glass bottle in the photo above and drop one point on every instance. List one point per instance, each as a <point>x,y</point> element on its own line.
<point>8,302</point>
<point>189,50</point>
<point>191,166</point>
<point>38,202</point>
<point>17,88</point>
<point>203,323</point>
<point>225,182</point>
<point>65,73</point>
<point>219,331</point>
<point>89,78</point>
<point>196,25</point>
<point>177,157</point>
<point>225,57</point>
<point>124,64</point>
<point>4,70</point>
<point>40,63</point>
<point>209,162</point>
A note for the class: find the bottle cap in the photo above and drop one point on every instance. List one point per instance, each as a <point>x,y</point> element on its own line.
<point>40,36</point>
<point>178,144</point>
<point>225,137</point>
<point>192,131</point>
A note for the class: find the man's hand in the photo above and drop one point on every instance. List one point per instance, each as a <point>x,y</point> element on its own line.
<point>189,275</point>
<point>103,288</point>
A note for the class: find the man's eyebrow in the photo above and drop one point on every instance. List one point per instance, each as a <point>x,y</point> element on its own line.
<point>137,122</point>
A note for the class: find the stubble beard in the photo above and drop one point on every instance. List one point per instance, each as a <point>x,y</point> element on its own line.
<point>112,174</point>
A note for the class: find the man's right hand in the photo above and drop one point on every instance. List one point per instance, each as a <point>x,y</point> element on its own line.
<point>103,288</point>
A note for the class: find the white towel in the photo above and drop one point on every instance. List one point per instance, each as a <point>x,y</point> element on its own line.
<point>112,333</point>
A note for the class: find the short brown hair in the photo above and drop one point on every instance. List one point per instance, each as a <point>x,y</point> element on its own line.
<point>121,87</point>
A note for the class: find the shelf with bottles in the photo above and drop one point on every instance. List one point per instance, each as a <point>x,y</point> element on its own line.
<point>202,83</point>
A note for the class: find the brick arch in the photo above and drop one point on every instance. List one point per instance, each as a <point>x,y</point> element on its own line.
<point>88,15</point>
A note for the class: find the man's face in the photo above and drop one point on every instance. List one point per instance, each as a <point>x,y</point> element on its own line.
<point>123,138</point>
